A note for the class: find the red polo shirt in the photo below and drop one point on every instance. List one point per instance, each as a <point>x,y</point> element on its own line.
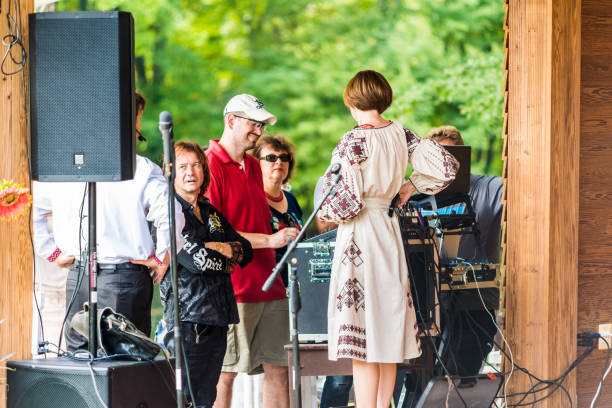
<point>239,195</point>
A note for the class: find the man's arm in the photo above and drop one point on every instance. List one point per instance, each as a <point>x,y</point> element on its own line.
<point>44,243</point>
<point>156,201</point>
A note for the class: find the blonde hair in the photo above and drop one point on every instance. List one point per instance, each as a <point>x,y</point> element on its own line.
<point>446,132</point>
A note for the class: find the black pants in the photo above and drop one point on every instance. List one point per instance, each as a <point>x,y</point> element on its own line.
<point>204,348</point>
<point>336,390</point>
<point>128,289</point>
<point>472,340</point>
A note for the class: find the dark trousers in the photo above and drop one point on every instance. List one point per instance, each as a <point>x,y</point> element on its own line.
<point>336,391</point>
<point>472,340</point>
<point>204,348</point>
<point>128,289</point>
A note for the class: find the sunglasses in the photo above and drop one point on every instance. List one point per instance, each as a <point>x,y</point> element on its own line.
<point>253,122</point>
<point>272,158</point>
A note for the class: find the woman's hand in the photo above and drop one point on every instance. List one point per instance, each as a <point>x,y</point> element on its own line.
<point>282,237</point>
<point>405,192</point>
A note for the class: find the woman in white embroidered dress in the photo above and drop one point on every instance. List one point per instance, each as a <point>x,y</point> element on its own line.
<point>371,318</point>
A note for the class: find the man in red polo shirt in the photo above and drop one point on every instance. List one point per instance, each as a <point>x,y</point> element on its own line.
<point>236,190</point>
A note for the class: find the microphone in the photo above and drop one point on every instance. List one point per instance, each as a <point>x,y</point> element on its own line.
<point>165,128</point>
<point>140,136</point>
<point>335,168</point>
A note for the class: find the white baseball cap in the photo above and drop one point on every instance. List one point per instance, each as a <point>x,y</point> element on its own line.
<point>251,106</point>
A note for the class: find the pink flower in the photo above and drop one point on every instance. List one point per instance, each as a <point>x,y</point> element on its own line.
<point>14,200</point>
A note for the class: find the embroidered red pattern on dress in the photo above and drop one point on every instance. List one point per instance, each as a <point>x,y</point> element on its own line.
<point>352,342</point>
<point>352,294</point>
<point>352,328</point>
<point>352,354</point>
<point>450,166</point>
<point>346,203</point>
<point>352,254</point>
<point>447,166</point>
<point>410,138</point>
<point>353,147</point>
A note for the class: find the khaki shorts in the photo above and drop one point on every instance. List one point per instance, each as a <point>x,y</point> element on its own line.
<point>259,338</point>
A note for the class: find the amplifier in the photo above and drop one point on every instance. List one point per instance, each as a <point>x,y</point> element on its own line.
<point>315,257</point>
<point>461,276</point>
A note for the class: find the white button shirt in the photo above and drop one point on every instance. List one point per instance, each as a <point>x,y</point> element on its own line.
<point>123,209</point>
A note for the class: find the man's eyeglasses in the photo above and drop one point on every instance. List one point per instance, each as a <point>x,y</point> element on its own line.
<point>272,158</point>
<point>253,122</point>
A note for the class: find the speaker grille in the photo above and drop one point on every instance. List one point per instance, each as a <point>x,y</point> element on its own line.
<point>82,96</point>
<point>41,389</point>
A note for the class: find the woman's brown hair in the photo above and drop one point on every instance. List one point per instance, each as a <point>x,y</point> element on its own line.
<point>368,90</point>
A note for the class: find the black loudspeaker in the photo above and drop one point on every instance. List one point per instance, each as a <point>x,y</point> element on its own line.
<point>65,383</point>
<point>82,96</point>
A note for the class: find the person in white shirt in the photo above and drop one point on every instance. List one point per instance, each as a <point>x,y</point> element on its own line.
<point>128,260</point>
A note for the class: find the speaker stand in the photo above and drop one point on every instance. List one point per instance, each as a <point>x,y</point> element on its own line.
<point>92,262</point>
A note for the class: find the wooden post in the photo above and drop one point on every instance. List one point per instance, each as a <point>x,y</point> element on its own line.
<point>16,260</point>
<point>542,205</point>
<point>595,230</point>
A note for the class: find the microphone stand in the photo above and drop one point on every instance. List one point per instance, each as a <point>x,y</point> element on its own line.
<point>92,263</point>
<point>294,292</point>
<point>166,130</point>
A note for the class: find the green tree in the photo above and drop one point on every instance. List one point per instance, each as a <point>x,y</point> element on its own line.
<point>443,59</point>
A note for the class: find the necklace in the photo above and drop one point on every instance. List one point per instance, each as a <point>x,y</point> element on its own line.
<point>275,199</point>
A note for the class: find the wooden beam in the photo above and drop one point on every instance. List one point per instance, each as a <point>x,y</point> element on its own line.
<point>542,206</point>
<point>15,248</point>
<point>595,229</point>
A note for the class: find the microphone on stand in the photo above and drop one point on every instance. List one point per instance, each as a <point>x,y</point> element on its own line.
<point>165,128</point>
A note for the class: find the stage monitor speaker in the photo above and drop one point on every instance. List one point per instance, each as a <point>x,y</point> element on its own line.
<point>66,383</point>
<point>82,96</point>
<point>439,393</point>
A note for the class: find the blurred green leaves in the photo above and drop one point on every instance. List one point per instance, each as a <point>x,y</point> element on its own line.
<point>443,59</point>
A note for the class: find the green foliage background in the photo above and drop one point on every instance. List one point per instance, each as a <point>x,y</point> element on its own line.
<point>443,59</point>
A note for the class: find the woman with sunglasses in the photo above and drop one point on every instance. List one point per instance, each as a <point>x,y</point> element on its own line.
<point>275,156</point>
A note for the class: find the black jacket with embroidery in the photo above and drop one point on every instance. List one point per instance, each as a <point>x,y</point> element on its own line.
<point>205,291</point>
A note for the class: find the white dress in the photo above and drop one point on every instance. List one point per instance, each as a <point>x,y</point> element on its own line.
<point>370,312</point>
